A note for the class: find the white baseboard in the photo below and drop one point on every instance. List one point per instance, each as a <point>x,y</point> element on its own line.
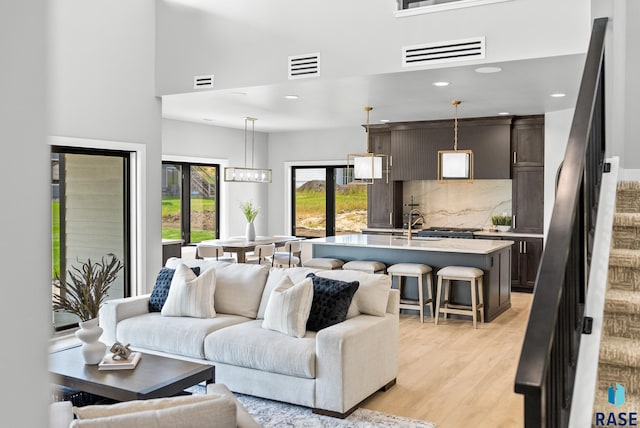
<point>627,174</point>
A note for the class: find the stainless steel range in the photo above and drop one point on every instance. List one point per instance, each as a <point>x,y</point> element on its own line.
<point>448,232</point>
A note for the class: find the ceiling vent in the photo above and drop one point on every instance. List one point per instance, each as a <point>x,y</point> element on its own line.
<point>203,82</point>
<point>301,66</point>
<point>441,52</point>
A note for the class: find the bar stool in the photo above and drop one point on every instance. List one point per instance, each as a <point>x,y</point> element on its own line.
<point>419,271</point>
<point>325,263</point>
<point>365,266</point>
<point>460,273</point>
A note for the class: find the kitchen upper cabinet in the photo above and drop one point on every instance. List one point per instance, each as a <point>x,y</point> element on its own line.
<point>527,141</point>
<point>383,197</point>
<point>415,146</point>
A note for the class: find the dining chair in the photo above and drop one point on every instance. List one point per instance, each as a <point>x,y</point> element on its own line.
<point>263,254</point>
<point>212,251</point>
<point>290,257</point>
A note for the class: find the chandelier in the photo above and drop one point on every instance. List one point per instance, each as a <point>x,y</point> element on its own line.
<point>246,174</point>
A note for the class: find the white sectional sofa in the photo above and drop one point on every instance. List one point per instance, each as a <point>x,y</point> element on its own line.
<point>331,370</point>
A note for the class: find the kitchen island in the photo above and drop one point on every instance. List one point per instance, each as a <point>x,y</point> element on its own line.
<point>492,256</point>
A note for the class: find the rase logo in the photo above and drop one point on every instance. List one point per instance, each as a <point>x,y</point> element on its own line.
<point>615,396</point>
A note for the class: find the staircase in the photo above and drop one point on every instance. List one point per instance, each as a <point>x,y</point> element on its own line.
<point>620,345</point>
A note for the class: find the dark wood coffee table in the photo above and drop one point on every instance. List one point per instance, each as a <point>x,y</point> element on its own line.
<point>154,376</point>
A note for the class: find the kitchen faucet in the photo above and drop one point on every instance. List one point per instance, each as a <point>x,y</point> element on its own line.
<point>411,224</point>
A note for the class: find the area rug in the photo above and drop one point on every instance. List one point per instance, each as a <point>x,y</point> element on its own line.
<point>275,414</point>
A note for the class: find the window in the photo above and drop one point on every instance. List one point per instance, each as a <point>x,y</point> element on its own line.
<point>90,214</point>
<point>324,205</point>
<point>189,201</point>
<point>416,7</point>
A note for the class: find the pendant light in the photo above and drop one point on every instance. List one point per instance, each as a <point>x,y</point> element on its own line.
<point>367,167</point>
<point>455,165</point>
<point>246,174</point>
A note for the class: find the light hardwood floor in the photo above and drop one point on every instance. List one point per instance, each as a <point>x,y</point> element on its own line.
<point>455,376</point>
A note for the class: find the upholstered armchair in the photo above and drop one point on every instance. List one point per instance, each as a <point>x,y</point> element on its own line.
<point>217,409</point>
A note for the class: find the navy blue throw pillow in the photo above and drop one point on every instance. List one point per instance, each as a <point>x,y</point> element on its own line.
<point>331,300</point>
<point>161,288</point>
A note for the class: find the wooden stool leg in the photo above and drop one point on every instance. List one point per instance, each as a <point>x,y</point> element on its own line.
<point>474,309</point>
<point>481,299</point>
<point>447,295</point>
<point>430,295</point>
<point>438,295</point>
<point>420,299</point>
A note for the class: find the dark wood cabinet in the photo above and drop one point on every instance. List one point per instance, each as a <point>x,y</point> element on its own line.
<point>525,260</point>
<point>527,141</point>
<point>415,146</point>
<point>528,199</point>
<point>527,173</point>
<point>383,196</point>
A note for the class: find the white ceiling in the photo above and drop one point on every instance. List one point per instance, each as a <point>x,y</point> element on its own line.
<point>522,87</point>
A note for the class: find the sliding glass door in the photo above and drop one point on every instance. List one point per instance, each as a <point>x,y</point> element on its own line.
<point>189,201</point>
<point>324,205</point>
<point>90,215</point>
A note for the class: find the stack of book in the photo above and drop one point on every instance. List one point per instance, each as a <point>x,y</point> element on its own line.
<point>110,363</point>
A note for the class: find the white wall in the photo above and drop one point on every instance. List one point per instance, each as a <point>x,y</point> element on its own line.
<point>25,174</point>
<point>622,65</point>
<point>101,83</point>
<point>631,159</point>
<point>557,125</point>
<point>212,144</point>
<point>305,147</point>
<point>358,37</point>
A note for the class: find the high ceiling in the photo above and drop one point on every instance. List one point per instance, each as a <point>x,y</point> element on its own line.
<point>522,87</point>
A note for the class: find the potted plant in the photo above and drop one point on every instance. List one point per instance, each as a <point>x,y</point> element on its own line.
<point>501,222</point>
<point>82,295</point>
<point>250,213</point>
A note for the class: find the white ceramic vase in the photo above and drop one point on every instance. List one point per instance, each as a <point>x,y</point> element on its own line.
<point>503,228</point>
<point>92,349</point>
<point>250,232</point>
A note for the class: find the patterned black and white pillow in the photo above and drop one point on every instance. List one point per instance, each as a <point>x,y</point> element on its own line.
<point>161,288</point>
<point>331,300</point>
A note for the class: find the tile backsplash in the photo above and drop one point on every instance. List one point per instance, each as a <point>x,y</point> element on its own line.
<point>458,204</point>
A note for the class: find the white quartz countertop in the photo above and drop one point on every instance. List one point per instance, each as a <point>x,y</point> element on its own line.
<point>446,245</point>
<point>509,234</point>
<point>480,233</point>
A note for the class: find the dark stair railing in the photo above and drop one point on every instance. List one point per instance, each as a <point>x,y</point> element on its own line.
<point>546,371</point>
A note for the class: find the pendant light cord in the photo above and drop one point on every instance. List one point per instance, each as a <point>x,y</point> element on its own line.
<point>245,141</point>
<point>253,134</point>
<point>455,125</point>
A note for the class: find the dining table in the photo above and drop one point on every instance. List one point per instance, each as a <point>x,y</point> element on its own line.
<point>241,246</point>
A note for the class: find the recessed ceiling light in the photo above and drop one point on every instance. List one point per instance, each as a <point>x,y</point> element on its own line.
<point>291,97</point>
<point>558,95</point>
<point>504,113</point>
<point>488,70</point>
<point>384,120</point>
<point>441,83</point>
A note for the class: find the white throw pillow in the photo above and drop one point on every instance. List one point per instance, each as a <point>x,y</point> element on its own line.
<point>191,295</point>
<point>288,307</point>
<point>276,275</point>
